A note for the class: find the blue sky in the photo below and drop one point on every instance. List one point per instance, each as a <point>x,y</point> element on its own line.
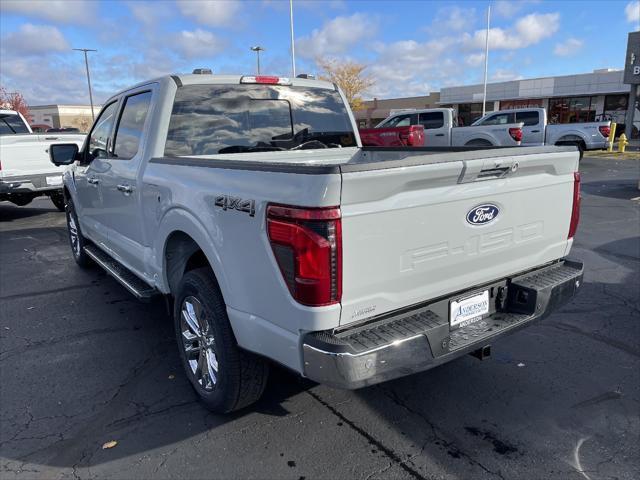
<point>410,47</point>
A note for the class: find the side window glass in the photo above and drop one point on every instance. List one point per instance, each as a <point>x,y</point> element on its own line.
<point>431,120</point>
<point>499,119</point>
<point>131,125</point>
<point>528,118</point>
<point>99,135</point>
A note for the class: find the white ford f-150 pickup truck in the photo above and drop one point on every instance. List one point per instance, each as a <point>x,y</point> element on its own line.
<point>250,205</point>
<point>537,131</point>
<point>25,169</point>
<point>441,129</point>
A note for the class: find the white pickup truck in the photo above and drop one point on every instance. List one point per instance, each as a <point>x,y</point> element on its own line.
<point>441,130</point>
<point>537,131</point>
<point>25,169</point>
<point>250,204</point>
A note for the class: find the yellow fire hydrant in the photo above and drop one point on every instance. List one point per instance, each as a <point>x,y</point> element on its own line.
<point>622,143</point>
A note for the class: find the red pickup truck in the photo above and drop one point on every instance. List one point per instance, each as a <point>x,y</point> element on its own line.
<point>408,136</point>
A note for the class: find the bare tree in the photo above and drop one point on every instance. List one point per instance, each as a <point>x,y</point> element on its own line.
<point>349,76</point>
<point>13,101</point>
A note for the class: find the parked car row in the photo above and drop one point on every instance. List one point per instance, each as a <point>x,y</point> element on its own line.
<point>517,127</point>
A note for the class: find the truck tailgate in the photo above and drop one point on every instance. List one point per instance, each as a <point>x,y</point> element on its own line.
<point>414,233</point>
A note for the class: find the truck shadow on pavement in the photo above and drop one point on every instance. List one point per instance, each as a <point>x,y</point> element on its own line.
<point>10,212</point>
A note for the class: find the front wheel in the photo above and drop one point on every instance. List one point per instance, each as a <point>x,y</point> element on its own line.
<point>76,240</point>
<point>225,377</point>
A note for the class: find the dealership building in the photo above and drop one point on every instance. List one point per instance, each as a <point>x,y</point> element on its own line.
<point>61,116</point>
<point>584,97</point>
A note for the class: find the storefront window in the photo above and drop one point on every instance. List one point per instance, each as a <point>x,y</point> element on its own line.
<point>525,103</point>
<point>572,110</point>
<point>470,112</point>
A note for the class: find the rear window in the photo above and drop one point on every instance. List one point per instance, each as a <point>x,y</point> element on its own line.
<point>430,120</point>
<point>528,118</point>
<point>11,123</point>
<point>215,119</point>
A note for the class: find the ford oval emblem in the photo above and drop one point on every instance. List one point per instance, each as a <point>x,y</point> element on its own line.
<point>483,214</point>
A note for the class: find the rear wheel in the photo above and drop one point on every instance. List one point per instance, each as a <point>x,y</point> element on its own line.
<point>58,200</point>
<point>225,377</point>
<point>478,143</point>
<point>76,240</point>
<point>21,199</point>
<point>579,144</point>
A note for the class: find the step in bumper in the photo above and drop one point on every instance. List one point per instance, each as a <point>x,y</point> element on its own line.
<point>412,341</point>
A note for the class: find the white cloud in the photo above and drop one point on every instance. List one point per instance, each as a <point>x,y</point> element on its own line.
<point>33,40</point>
<point>213,14</point>
<point>407,68</point>
<point>474,60</point>
<point>454,19</point>
<point>632,12</point>
<point>198,43</point>
<point>59,11</point>
<point>148,13</point>
<point>504,75</point>
<point>336,36</point>
<point>527,31</point>
<point>568,47</point>
<point>508,8</point>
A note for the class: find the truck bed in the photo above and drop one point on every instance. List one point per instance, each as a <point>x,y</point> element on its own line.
<point>355,159</point>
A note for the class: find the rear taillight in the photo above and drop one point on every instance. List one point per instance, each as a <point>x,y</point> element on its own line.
<point>605,130</point>
<point>575,210</point>
<point>307,244</point>
<point>516,134</point>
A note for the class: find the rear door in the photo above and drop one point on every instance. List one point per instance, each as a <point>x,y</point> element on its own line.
<point>435,129</point>
<point>416,233</point>
<point>533,129</point>
<point>121,196</point>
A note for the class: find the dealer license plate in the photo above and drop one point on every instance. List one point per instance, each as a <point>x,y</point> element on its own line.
<point>468,310</point>
<point>57,180</point>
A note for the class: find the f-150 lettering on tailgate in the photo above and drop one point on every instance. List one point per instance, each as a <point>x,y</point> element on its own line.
<point>487,242</point>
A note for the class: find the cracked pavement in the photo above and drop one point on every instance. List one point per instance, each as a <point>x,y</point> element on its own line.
<point>83,363</point>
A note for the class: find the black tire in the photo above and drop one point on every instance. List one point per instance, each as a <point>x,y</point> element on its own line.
<point>77,249</point>
<point>21,200</point>
<point>240,376</point>
<point>58,200</point>
<point>478,143</point>
<point>580,145</point>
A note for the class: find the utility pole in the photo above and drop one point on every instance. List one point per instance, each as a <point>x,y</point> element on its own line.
<point>258,49</point>
<point>293,46</point>
<point>86,64</point>
<point>486,62</point>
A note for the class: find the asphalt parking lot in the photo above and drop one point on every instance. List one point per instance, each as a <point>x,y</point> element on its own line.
<point>82,363</point>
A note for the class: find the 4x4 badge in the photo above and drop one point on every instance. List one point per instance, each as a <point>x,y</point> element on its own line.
<point>236,203</point>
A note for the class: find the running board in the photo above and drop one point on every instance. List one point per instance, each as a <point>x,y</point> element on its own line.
<point>138,287</point>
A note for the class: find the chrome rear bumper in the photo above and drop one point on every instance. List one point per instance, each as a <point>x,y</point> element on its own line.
<point>417,339</point>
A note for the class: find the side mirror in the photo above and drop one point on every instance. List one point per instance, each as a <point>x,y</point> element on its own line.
<point>63,153</point>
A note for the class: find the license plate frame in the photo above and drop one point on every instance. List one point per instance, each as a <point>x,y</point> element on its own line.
<point>468,309</point>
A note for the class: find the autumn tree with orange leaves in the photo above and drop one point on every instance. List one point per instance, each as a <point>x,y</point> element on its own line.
<point>13,101</point>
<point>349,76</point>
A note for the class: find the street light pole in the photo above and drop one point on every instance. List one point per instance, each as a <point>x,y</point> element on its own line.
<point>86,64</point>
<point>486,62</point>
<point>293,47</point>
<point>258,49</point>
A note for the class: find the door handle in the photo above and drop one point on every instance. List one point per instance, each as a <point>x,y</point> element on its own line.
<point>93,181</point>
<point>439,135</point>
<point>535,131</point>
<point>124,188</point>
